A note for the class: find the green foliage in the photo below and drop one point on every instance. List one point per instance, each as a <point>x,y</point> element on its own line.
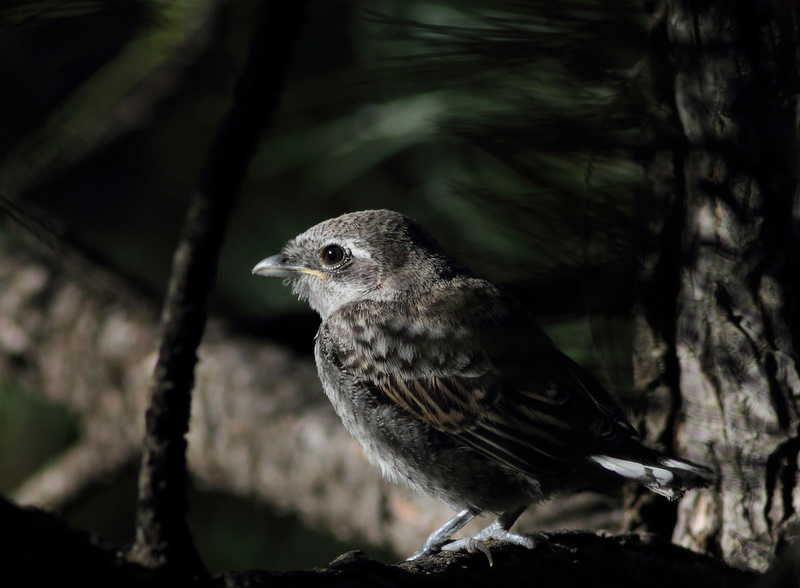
<point>509,128</point>
<point>551,100</point>
<point>32,430</point>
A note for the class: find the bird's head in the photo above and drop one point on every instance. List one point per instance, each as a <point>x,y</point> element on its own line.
<point>366,255</point>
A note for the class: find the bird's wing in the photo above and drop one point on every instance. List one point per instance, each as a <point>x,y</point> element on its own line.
<point>490,378</point>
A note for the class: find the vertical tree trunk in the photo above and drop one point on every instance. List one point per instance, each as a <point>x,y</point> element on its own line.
<point>719,296</point>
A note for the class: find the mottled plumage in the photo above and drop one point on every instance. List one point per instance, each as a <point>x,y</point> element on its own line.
<point>448,382</point>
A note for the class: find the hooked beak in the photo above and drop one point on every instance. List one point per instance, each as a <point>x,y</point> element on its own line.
<point>277,266</point>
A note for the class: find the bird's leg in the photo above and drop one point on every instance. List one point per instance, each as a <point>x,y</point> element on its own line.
<point>442,535</point>
<point>499,530</point>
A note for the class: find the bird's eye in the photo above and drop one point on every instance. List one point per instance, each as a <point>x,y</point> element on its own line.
<point>332,255</point>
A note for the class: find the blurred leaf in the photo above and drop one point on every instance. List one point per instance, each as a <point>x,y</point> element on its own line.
<point>22,453</point>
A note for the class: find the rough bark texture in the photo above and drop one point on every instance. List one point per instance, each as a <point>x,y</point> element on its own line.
<point>729,255</point>
<point>661,217</point>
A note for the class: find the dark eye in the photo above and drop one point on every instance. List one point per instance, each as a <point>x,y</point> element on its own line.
<point>331,254</point>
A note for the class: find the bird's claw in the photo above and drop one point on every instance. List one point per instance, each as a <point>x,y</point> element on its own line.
<point>525,541</point>
<point>439,540</point>
<point>470,545</point>
<point>478,542</point>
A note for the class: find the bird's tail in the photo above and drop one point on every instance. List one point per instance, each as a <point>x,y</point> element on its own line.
<point>667,476</point>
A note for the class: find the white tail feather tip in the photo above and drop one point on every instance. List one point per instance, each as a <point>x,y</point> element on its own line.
<point>669,478</point>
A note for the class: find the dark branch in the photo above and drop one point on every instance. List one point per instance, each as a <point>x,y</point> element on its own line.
<point>162,537</point>
<point>561,559</point>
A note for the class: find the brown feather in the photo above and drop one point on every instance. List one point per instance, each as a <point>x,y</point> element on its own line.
<point>464,381</point>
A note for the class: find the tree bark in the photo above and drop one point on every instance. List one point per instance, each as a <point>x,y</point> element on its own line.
<point>726,325</point>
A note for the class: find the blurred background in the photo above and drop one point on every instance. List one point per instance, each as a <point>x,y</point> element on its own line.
<point>511,130</point>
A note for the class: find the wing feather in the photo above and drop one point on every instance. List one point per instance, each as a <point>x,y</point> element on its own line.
<point>493,381</point>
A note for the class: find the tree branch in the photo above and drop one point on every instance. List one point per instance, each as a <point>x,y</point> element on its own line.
<point>162,537</point>
<point>560,560</point>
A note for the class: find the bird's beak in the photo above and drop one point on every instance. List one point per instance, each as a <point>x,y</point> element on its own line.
<point>277,266</point>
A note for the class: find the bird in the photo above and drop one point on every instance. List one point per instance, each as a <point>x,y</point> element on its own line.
<point>451,386</point>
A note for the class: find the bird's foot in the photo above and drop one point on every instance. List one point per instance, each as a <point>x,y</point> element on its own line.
<point>442,535</point>
<point>470,545</point>
<point>439,540</point>
<point>427,549</point>
<point>478,542</point>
